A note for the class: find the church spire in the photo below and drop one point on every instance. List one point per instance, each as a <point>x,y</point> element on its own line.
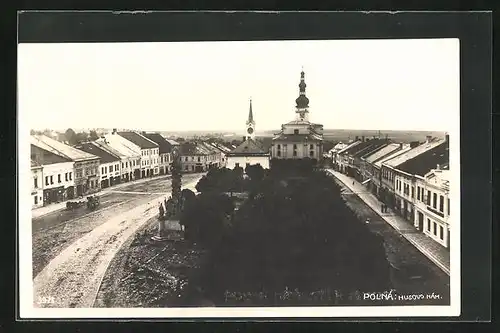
<point>302,101</point>
<point>250,114</point>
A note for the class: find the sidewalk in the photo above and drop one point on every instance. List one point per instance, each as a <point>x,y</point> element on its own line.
<point>431,249</point>
<point>41,211</point>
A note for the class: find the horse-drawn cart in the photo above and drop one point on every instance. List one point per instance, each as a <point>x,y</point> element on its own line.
<point>71,205</point>
<point>93,201</point>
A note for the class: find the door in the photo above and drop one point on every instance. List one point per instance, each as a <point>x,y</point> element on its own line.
<point>420,221</point>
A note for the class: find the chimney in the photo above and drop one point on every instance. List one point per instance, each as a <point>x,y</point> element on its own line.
<point>438,167</point>
<point>414,144</point>
<point>363,138</point>
<point>400,145</point>
<point>428,138</point>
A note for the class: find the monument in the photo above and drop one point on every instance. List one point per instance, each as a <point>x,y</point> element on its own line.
<point>172,205</point>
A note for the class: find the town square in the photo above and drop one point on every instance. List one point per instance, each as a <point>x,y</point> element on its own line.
<point>253,181</point>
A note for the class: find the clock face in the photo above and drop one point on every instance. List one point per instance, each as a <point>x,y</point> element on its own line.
<point>250,130</point>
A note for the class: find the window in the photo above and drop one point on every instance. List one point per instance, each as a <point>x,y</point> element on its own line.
<point>435,229</point>
<point>434,200</point>
<point>66,176</point>
<point>278,153</point>
<point>448,206</point>
<point>294,146</point>
<point>35,182</point>
<point>418,192</point>
<point>441,232</point>
<point>198,158</point>
<point>36,200</point>
<point>126,164</point>
<point>428,225</point>
<point>46,180</point>
<point>59,178</point>
<point>52,179</point>
<point>311,146</point>
<point>192,167</point>
<point>102,170</point>
<point>428,198</point>
<point>413,191</point>
<point>295,131</point>
<point>86,171</point>
<point>186,168</point>
<point>294,153</point>
<point>311,153</point>
<point>123,165</point>
<point>441,203</point>
<point>71,176</point>
<point>236,165</point>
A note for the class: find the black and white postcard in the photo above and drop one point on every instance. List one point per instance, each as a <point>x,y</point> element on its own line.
<point>263,178</point>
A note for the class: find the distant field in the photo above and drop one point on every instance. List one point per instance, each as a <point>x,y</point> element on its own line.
<point>344,135</point>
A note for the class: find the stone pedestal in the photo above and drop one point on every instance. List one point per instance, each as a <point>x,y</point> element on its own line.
<point>171,225</point>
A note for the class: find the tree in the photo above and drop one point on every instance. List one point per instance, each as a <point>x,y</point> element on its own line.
<point>255,172</point>
<point>300,235</point>
<point>93,135</point>
<point>81,137</point>
<point>207,217</point>
<point>70,136</point>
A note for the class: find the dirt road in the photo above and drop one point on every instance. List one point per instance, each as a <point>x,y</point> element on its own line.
<point>72,278</point>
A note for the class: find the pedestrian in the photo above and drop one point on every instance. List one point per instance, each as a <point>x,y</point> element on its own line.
<point>367,221</point>
<point>353,183</point>
<point>382,208</point>
<point>162,210</point>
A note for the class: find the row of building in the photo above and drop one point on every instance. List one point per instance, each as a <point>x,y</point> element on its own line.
<point>62,172</point>
<point>412,179</point>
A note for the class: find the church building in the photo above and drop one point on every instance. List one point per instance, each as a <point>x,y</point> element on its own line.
<point>249,152</point>
<point>299,138</point>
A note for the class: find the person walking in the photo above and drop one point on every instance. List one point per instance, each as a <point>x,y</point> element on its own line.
<point>162,210</point>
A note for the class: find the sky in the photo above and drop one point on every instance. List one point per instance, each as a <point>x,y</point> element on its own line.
<point>351,84</point>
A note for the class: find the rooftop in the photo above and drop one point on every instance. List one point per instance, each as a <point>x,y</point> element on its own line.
<point>138,139</point>
<point>58,148</point>
<point>91,148</point>
<point>349,146</point>
<point>427,160</point>
<point>394,154</point>
<point>164,146</point>
<point>382,152</point>
<point>412,153</point>
<point>35,164</point>
<point>373,146</point>
<point>298,137</point>
<point>248,147</point>
<point>107,147</point>
<point>120,144</point>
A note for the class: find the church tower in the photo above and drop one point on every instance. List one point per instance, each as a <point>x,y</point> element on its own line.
<point>250,133</point>
<point>302,102</point>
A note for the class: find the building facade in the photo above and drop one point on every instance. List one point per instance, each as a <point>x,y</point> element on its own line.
<point>432,205</point>
<point>299,138</point>
<point>149,151</point>
<point>85,173</point>
<point>165,152</point>
<point>36,184</point>
<point>130,154</point>
<point>110,165</point>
